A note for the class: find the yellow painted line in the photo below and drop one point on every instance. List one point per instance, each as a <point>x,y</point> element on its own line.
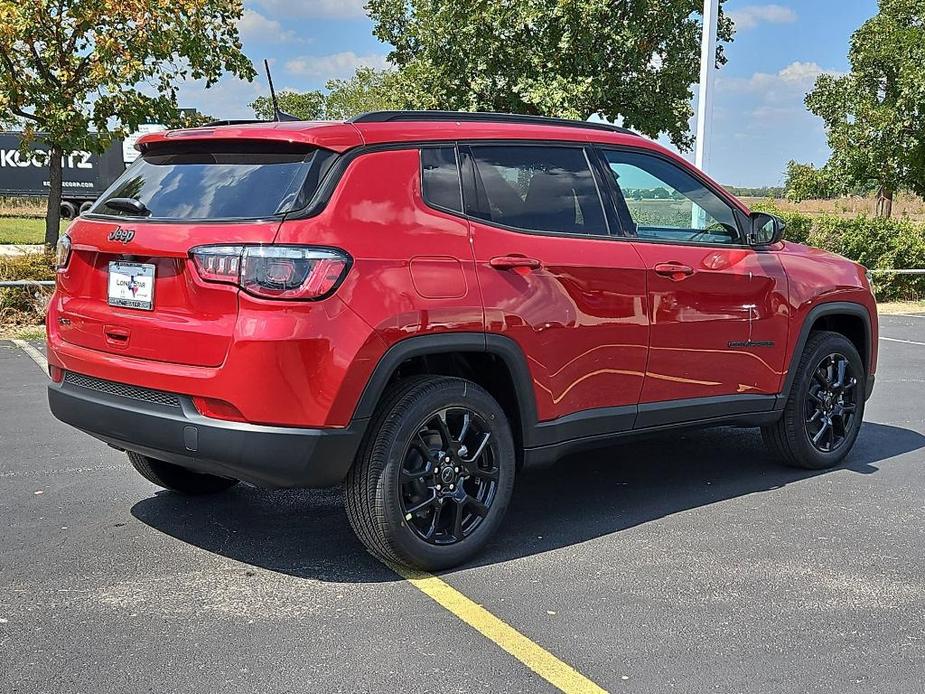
<point>34,354</point>
<point>559,674</point>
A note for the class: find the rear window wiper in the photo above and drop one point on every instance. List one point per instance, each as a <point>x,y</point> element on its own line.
<point>130,205</point>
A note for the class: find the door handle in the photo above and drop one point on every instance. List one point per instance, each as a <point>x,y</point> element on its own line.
<point>674,271</point>
<point>511,262</point>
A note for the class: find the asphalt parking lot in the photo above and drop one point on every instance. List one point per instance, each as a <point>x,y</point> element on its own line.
<point>687,562</point>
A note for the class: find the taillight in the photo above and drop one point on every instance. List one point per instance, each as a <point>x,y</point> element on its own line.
<point>274,272</point>
<point>218,263</point>
<point>62,251</point>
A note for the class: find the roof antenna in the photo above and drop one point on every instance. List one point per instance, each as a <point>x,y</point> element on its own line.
<point>277,114</point>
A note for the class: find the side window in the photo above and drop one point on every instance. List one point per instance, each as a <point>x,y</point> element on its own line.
<point>539,189</point>
<point>664,202</point>
<point>440,178</point>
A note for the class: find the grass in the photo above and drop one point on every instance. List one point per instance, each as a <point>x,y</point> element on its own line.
<point>35,333</point>
<point>22,207</point>
<point>22,230</point>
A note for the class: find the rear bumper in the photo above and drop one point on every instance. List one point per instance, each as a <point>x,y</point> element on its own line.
<point>266,456</point>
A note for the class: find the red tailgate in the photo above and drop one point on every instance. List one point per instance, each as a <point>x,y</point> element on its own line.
<point>191,322</point>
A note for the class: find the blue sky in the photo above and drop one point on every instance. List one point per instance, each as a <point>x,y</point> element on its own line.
<point>760,122</point>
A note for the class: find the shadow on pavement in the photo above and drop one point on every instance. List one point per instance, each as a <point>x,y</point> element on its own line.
<point>305,533</point>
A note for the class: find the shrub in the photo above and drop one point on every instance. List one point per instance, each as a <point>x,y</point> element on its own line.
<point>20,306</point>
<point>875,243</point>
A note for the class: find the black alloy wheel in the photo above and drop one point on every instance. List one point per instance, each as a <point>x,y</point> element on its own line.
<point>830,406</point>
<point>824,409</point>
<point>434,475</point>
<point>448,478</point>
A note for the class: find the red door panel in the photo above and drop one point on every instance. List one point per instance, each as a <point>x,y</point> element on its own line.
<point>577,308</point>
<point>718,321</point>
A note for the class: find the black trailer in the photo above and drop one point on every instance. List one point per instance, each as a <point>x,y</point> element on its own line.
<point>84,175</point>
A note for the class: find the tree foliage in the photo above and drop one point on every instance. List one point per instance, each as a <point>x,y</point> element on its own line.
<point>70,67</point>
<point>875,115</point>
<point>806,182</point>
<point>571,58</point>
<point>368,90</point>
<point>302,105</point>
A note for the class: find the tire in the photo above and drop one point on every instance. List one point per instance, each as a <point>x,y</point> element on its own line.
<point>178,479</point>
<point>68,210</point>
<point>397,470</point>
<point>85,206</point>
<point>808,407</point>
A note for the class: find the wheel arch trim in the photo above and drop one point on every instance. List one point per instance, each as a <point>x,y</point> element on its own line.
<point>443,343</point>
<point>831,308</point>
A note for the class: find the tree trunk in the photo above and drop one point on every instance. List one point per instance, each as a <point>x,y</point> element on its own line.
<point>53,214</point>
<point>884,202</point>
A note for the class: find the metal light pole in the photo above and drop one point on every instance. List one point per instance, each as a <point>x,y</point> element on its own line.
<point>707,77</point>
<point>705,101</point>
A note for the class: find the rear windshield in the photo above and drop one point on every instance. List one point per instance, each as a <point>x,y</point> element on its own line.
<point>203,181</point>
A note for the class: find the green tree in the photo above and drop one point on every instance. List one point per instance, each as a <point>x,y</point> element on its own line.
<point>570,58</point>
<point>302,105</point>
<point>70,67</point>
<point>368,90</point>
<point>874,117</point>
<point>806,182</point>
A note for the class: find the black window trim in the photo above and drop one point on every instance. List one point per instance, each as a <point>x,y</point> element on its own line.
<point>476,188</point>
<point>740,217</point>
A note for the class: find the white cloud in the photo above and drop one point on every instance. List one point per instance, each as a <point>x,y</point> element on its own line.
<point>752,15</point>
<point>335,65</point>
<point>796,77</point>
<point>335,9</point>
<point>803,72</point>
<point>255,27</point>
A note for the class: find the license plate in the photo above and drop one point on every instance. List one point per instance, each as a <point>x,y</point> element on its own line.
<point>131,285</point>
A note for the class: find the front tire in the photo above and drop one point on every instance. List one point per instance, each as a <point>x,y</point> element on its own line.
<point>178,479</point>
<point>434,476</point>
<point>825,408</point>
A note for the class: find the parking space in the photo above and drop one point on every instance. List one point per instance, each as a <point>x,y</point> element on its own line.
<point>687,561</point>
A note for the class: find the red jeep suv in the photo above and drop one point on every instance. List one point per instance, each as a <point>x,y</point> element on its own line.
<point>417,304</point>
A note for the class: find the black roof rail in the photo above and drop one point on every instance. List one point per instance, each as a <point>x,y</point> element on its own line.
<point>235,121</point>
<point>482,117</point>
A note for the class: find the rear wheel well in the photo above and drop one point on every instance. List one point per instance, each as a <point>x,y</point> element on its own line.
<point>851,326</point>
<point>488,370</point>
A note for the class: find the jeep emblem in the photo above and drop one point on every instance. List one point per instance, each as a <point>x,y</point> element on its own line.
<point>120,234</point>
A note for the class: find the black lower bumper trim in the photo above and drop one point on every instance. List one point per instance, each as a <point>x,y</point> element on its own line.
<point>266,456</point>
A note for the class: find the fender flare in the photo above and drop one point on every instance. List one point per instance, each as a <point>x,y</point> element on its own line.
<point>442,343</point>
<point>840,308</point>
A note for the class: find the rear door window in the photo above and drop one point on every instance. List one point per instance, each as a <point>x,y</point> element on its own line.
<point>536,188</point>
<point>208,181</point>
<point>440,177</point>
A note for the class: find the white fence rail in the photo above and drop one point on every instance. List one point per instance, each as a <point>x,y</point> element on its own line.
<point>28,283</point>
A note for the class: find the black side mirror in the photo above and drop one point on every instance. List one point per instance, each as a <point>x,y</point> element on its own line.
<point>766,229</point>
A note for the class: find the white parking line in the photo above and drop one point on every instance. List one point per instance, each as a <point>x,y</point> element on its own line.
<point>907,342</point>
<point>34,355</point>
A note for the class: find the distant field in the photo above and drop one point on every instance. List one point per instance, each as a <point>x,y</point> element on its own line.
<point>21,230</point>
<point>27,207</point>
<point>904,206</point>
